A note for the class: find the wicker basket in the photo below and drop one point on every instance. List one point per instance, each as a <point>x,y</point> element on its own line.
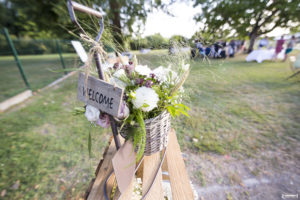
<point>157,130</point>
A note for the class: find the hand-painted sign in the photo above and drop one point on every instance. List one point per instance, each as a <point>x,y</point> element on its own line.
<point>100,94</point>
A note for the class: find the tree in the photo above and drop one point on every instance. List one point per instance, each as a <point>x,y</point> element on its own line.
<point>37,18</point>
<point>248,17</point>
<point>179,40</point>
<point>124,13</point>
<point>157,41</point>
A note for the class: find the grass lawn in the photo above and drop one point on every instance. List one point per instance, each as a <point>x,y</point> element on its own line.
<point>37,69</point>
<point>237,108</point>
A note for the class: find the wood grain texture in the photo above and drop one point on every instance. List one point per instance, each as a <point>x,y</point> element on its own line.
<point>151,163</point>
<point>100,94</point>
<point>180,183</point>
<point>164,169</point>
<point>105,169</point>
<point>128,194</point>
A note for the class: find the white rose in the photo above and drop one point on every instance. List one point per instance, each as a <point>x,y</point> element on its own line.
<point>143,70</point>
<point>92,113</point>
<point>146,99</point>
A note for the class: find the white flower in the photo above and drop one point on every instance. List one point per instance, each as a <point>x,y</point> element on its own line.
<point>118,82</point>
<point>185,67</point>
<point>119,73</point>
<point>162,74</point>
<point>146,99</point>
<point>143,70</point>
<point>92,113</point>
<point>107,66</point>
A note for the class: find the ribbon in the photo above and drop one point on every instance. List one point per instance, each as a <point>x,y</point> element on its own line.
<point>124,165</point>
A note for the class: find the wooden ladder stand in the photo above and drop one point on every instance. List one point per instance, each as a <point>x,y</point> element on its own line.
<point>173,167</point>
<point>173,170</point>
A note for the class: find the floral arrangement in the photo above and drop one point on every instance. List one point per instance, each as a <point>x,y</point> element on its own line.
<point>147,93</point>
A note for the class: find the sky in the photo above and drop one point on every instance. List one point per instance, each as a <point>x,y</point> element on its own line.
<point>183,22</point>
<point>167,26</point>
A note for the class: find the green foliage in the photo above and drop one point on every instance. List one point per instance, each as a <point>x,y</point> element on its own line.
<point>240,18</point>
<point>244,17</point>
<point>177,109</point>
<point>140,136</point>
<point>156,41</point>
<point>180,40</point>
<point>50,18</point>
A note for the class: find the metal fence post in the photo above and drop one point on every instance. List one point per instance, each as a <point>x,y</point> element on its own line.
<point>60,56</point>
<point>19,64</point>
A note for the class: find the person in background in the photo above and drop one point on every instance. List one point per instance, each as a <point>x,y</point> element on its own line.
<point>198,45</point>
<point>279,47</point>
<point>263,42</point>
<point>208,51</point>
<point>216,50</point>
<point>290,47</point>
<point>231,49</point>
<point>193,53</point>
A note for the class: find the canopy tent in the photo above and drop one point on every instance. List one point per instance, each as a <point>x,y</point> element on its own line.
<point>263,54</point>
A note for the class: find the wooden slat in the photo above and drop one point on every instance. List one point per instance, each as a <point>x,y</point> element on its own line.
<point>151,164</point>
<point>128,194</point>
<point>110,184</point>
<point>139,172</point>
<point>105,169</point>
<point>164,169</point>
<point>180,184</point>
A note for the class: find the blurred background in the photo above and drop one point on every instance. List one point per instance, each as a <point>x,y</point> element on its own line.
<point>242,140</point>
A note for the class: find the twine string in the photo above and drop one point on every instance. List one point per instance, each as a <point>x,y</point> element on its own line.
<point>96,48</point>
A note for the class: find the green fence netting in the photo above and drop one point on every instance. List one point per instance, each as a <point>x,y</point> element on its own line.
<point>41,63</point>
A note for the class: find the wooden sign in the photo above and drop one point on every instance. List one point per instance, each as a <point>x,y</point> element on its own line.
<point>97,93</point>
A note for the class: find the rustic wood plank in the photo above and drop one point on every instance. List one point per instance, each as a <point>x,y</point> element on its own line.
<point>164,169</point>
<point>103,156</point>
<point>87,192</point>
<point>105,169</point>
<point>117,194</point>
<point>100,94</point>
<point>111,182</point>
<point>151,164</point>
<point>139,172</point>
<point>180,183</point>
<point>128,194</point>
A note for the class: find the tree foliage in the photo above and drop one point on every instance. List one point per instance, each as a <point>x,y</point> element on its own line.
<point>50,18</point>
<point>156,41</point>
<point>248,17</point>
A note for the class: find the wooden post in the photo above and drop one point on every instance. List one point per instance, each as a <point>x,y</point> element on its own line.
<point>180,183</point>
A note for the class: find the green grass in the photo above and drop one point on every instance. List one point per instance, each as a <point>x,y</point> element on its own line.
<point>45,148</point>
<point>237,108</point>
<point>37,69</point>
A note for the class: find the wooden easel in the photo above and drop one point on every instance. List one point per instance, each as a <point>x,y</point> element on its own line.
<point>173,166</point>
<point>173,169</point>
